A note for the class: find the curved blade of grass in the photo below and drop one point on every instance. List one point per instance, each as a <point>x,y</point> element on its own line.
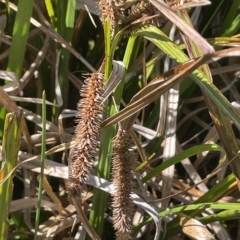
<point>179,157</point>
<point>231,14</point>
<point>221,216</point>
<point>201,206</point>
<point>211,90</point>
<point>10,148</point>
<point>42,165</point>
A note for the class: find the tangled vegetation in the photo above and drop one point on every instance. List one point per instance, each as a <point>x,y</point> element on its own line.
<point>119,119</point>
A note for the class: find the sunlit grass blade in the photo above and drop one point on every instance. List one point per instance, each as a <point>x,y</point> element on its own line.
<point>9,155</point>
<point>50,11</point>
<point>179,157</point>
<point>229,20</point>
<point>226,215</point>
<point>70,16</point>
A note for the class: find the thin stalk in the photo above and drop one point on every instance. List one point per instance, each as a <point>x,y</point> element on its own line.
<point>42,165</point>
<point>212,16</point>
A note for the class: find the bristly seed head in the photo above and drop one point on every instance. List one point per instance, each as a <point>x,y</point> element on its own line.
<point>135,15</point>
<point>122,173</point>
<point>108,10</point>
<point>86,134</point>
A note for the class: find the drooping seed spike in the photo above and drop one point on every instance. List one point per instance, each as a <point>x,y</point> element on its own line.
<point>141,14</point>
<point>122,173</point>
<point>89,118</point>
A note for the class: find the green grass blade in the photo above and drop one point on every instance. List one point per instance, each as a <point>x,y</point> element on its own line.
<point>179,157</point>
<point>231,15</point>
<point>107,39</point>
<point>50,11</point>
<point>70,17</point>
<point>201,206</point>
<point>233,28</point>
<point>20,35</point>
<point>221,216</point>
<point>212,16</point>
<point>10,148</point>
<point>42,165</point>
<point>197,207</point>
<point>3,113</point>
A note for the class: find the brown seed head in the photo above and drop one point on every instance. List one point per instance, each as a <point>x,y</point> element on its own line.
<point>142,14</point>
<point>122,178</point>
<point>87,132</point>
<point>109,11</point>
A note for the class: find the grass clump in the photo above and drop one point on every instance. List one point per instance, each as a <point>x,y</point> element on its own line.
<point>156,138</point>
